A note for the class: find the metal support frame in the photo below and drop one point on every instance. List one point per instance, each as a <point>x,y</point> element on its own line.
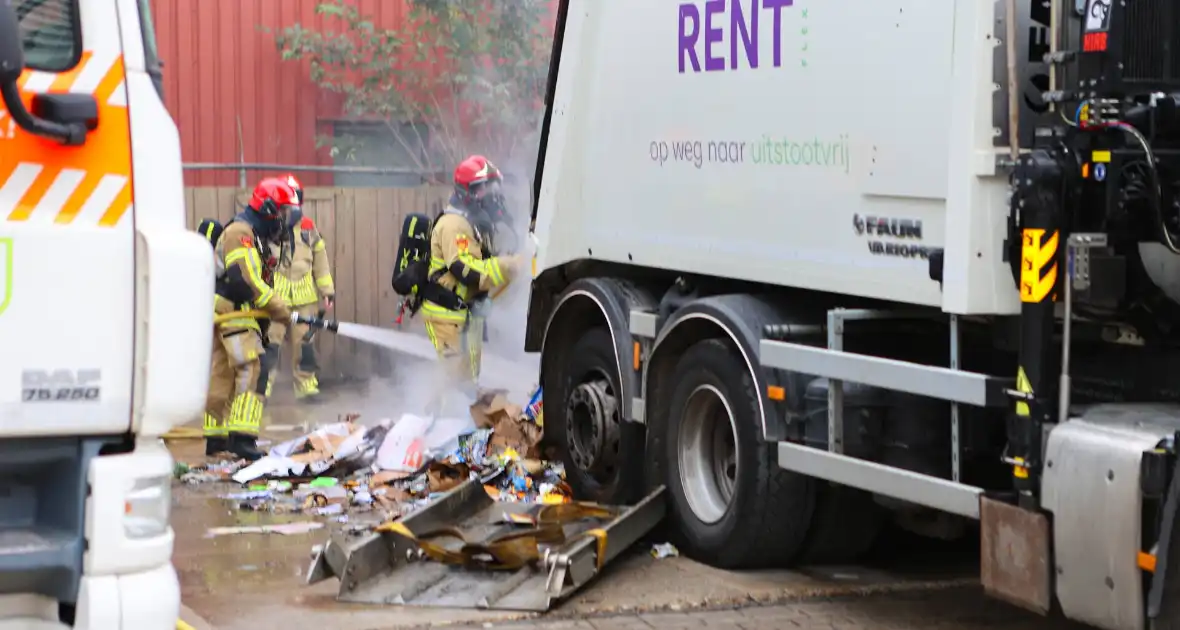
<point>835,387</point>
<point>951,384</point>
<point>899,483</point>
<point>836,319</point>
<point>956,451</point>
<point>980,390</point>
<point>1077,276</point>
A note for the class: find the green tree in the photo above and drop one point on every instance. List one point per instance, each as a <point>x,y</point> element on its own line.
<point>471,73</point>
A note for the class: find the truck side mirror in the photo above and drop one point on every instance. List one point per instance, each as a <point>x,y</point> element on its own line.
<point>67,109</point>
<point>12,56</point>
<point>77,117</point>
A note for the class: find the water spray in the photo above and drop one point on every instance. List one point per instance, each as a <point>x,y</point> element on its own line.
<point>413,345</point>
<point>396,340</point>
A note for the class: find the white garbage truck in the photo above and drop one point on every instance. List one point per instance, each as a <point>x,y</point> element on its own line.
<point>104,299</point>
<point>823,267</point>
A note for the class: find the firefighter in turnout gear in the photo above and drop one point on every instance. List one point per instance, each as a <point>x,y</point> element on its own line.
<point>463,263</point>
<point>304,281</point>
<point>239,368</point>
<point>211,229</point>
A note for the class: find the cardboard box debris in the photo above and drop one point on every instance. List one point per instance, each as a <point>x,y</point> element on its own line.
<point>393,468</point>
<point>510,429</point>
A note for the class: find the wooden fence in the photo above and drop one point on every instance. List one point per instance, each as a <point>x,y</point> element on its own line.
<point>360,227</point>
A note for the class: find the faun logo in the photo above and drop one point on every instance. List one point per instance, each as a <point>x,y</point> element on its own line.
<point>884,233</point>
<point>887,226</point>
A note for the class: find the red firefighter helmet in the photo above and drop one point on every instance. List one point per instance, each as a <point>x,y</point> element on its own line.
<point>273,200</point>
<point>295,185</point>
<point>475,178</point>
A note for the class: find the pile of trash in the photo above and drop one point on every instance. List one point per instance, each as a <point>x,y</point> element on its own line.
<point>393,468</point>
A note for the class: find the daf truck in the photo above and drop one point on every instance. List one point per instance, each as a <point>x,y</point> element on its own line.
<point>820,268</point>
<point>104,302</point>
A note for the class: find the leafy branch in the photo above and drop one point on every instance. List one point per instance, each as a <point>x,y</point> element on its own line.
<point>455,77</point>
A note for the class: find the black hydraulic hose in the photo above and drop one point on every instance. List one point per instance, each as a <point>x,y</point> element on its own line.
<point>71,135</point>
<point>1156,186</point>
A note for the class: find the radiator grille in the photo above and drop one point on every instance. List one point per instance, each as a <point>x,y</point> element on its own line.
<point>1150,53</point>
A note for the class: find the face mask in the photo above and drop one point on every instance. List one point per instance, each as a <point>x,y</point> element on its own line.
<point>294,217</point>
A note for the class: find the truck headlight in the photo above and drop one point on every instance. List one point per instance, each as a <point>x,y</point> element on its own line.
<point>147,507</point>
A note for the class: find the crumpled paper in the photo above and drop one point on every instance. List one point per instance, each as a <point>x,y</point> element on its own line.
<point>318,451</point>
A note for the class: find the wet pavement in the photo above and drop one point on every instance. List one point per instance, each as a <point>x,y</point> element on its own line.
<point>941,609</point>
<point>256,581</point>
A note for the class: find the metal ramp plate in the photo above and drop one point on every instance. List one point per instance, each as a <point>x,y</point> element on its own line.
<point>387,568</point>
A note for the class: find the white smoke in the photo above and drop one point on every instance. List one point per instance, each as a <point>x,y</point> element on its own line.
<point>414,381</point>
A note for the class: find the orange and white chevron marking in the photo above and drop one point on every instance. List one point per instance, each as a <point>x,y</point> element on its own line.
<point>96,73</point>
<point>38,194</point>
<point>45,183</point>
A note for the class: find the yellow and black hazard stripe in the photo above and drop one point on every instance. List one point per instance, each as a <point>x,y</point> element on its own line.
<point>1038,265</point>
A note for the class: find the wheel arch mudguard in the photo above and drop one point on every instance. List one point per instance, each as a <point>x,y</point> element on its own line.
<point>739,320</point>
<point>723,316</point>
<point>591,301</point>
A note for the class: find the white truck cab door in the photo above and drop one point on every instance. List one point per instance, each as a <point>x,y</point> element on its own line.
<point>67,236</point>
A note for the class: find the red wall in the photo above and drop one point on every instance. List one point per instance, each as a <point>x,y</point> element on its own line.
<point>219,66</point>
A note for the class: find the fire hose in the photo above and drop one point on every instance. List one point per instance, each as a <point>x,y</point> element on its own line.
<point>225,317</point>
<point>316,323</point>
<point>307,337</point>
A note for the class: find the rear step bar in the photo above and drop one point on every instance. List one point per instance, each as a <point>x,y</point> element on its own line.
<point>389,568</point>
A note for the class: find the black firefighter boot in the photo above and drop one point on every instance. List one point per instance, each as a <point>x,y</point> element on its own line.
<point>215,445</point>
<point>244,446</point>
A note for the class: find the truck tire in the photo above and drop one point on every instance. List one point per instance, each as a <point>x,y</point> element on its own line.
<point>602,453</point>
<point>846,524</point>
<point>731,505</point>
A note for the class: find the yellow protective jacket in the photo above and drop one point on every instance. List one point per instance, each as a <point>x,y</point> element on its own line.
<point>458,264</point>
<point>237,253</point>
<point>306,277</point>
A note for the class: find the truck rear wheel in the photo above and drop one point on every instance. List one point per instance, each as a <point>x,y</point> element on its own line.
<point>603,457</point>
<point>732,506</point>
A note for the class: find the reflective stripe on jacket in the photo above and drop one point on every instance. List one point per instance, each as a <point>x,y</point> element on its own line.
<point>457,263</point>
<point>236,248</point>
<point>307,276</point>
